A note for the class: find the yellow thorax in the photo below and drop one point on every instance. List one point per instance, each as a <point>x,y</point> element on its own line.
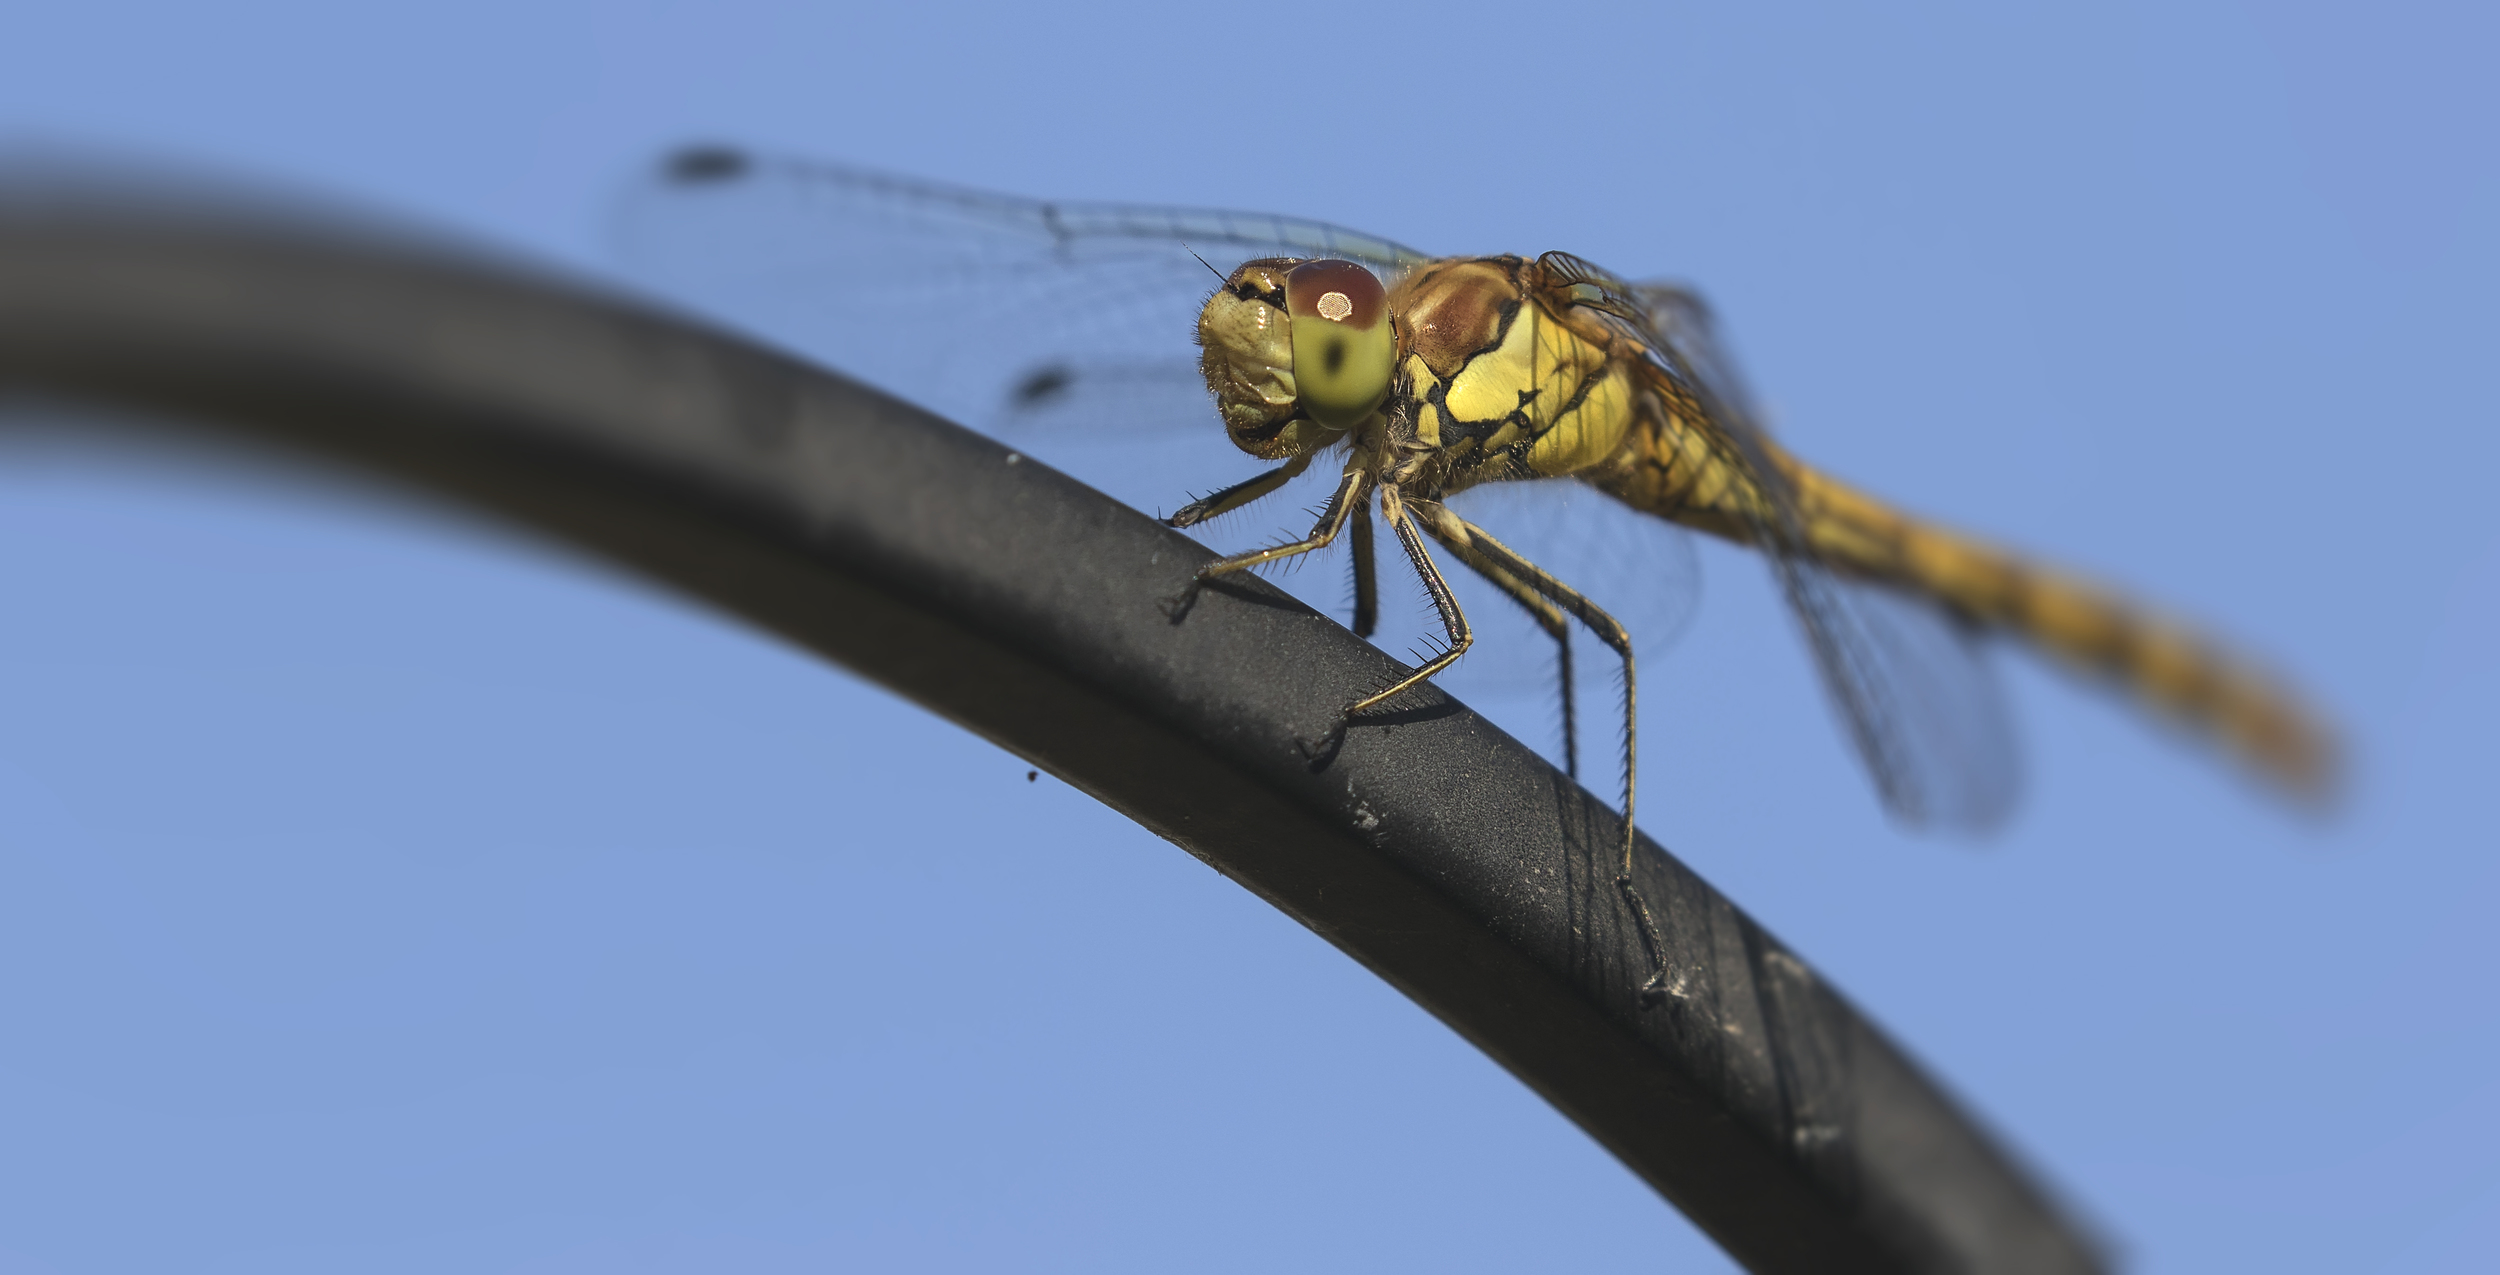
<point>1507,388</point>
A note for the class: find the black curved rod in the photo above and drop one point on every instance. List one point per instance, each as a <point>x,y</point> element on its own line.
<point>1022,605</point>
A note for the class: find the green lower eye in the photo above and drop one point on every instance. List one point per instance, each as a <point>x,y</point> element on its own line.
<point>1343,344</point>
<point>1342,374</point>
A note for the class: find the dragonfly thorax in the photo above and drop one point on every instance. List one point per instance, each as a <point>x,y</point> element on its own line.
<point>1296,353</point>
<point>1501,387</point>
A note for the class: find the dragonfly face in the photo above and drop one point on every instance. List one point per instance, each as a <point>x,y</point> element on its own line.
<point>1296,353</point>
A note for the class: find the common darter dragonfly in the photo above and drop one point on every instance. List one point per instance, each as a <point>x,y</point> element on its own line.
<point>1424,382</point>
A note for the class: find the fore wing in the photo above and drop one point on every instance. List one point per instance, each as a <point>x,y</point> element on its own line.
<point>1003,313</point>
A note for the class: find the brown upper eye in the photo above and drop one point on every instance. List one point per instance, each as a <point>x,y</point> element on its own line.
<point>1337,291</point>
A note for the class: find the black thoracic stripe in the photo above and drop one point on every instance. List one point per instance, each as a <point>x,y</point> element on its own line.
<point>1457,432</point>
<point>1459,426</point>
<point>1510,314</point>
<point>1674,483</point>
<point>1579,395</point>
<point>1501,333</point>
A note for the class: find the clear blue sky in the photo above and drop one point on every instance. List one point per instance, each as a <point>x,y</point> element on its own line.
<point>383,893</point>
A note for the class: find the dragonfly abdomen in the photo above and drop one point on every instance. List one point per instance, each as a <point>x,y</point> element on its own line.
<point>1670,468</point>
<point>2163,663</point>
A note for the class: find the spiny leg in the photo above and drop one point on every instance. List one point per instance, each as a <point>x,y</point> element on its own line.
<point>1453,620</point>
<point>1350,493</point>
<point>1556,624</point>
<point>1366,573</point>
<point>1570,703</point>
<point>1450,527</point>
<point>1239,494</point>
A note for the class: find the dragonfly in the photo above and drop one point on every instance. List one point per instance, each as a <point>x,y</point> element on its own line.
<point>1423,381</point>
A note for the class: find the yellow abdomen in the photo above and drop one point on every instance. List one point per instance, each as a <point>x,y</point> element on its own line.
<point>1668,468</point>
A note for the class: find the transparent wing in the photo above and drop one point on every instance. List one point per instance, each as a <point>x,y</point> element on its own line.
<point>1918,697</point>
<point>1641,569</point>
<point>1065,329</point>
<point>1910,681</point>
<point>1009,315</point>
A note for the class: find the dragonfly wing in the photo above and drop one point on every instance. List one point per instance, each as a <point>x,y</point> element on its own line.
<point>1916,695</point>
<point>1641,570</point>
<point>1911,684</point>
<point>1010,315</point>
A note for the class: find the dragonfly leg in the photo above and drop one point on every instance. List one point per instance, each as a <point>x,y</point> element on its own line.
<point>1366,573</point>
<point>1453,621</point>
<point>1570,703</point>
<point>1552,619</point>
<point>1350,493</point>
<point>1239,494</point>
<point>1451,529</point>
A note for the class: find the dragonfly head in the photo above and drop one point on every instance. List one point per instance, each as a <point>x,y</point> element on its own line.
<point>1296,353</point>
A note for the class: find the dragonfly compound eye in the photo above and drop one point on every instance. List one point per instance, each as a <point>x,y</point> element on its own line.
<point>1343,347</point>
